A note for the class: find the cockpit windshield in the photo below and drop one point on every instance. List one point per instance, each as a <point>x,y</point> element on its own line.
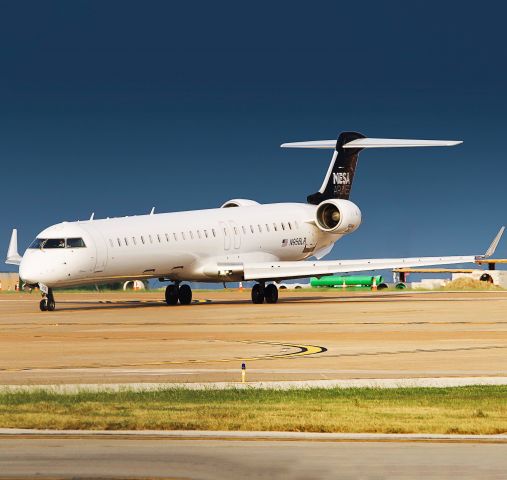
<point>54,243</point>
<point>37,243</point>
<point>75,243</point>
<point>43,243</point>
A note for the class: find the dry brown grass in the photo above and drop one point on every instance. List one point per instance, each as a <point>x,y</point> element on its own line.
<point>465,283</point>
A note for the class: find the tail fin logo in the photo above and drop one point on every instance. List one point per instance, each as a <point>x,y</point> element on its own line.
<point>341,178</point>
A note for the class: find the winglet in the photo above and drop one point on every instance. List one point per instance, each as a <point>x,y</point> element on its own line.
<point>491,250</point>
<point>13,257</point>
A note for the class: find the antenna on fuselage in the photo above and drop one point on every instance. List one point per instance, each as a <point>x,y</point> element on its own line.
<point>152,211</point>
<point>92,216</point>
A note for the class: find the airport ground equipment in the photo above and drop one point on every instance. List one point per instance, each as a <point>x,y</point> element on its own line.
<point>347,280</point>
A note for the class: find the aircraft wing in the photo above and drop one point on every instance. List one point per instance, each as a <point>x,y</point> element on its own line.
<point>13,257</point>
<point>286,270</point>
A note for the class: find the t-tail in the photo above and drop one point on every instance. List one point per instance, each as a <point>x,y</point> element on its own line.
<point>340,174</point>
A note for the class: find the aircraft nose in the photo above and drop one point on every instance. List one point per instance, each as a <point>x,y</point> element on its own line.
<point>28,271</point>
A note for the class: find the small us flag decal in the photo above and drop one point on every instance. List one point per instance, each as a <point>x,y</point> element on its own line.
<point>285,242</point>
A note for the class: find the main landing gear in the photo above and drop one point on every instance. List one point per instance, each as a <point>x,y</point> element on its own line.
<point>47,304</point>
<point>178,293</point>
<point>261,292</point>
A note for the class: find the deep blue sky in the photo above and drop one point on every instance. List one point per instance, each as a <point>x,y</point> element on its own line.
<point>115,107</point>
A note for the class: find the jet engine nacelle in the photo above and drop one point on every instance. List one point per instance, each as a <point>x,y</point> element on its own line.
<point>338,216</point>
<point>239,202</point>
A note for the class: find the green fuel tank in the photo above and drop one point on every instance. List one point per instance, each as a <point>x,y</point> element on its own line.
<point>350,280</point>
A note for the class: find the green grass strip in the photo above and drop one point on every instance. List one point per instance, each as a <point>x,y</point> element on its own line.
<point>465,410</point>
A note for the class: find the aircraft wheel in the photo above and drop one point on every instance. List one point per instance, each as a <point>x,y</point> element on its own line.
<point>258,293</point>
<point>271,293</point>
<point>51,305</point>
<point>171,295</point>
<point>43,305</point>
<point>185,295</point>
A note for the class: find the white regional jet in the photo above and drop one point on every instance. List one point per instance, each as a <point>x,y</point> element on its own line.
<point>242,240</point>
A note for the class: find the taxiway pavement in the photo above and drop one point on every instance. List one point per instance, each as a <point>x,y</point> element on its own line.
<point>124,338</point>
<point>120,456</point>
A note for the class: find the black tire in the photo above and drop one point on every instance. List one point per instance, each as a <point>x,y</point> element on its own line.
<point>51,305</point>
<point>271,293</point>
<point>486,278</point>
<point>171,295</point>
<point>185,295</point>
<point>258,293</point>
<point>43,305</point>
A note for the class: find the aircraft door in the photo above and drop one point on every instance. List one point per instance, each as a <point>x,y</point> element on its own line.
<point>226,232</point>
<point>236,234</point>
<point>101,250</point>
<point>311,241</point>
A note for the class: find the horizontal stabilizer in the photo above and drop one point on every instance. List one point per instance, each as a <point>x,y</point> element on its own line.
<point>373,143</point>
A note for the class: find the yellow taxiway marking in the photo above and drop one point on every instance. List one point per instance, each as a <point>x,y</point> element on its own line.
<point>301,350</point>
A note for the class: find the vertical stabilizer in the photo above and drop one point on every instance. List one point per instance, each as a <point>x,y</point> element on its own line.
<point>340,174</point>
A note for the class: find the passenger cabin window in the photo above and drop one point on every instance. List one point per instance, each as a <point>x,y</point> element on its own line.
<point>158,236</point>
<point>151,239</point>
<point>244,229</point>
<point>126,242</point>
<point>175,237</point>
<point>214,233</point>
<point>283,226</point>
<point>251,228</point>
<point>191,234</point>
<point>260,228</point>
<point>274,226</point>
<point>119,243</point>
<point>267,228</point>
<point>142,239</point>
<point>167,237</point>
<point>134,240</point>
<point>199,234</point>
<point>111,243</point>
<point>206,233</point>
<point>183,236</point>
<point>290,226</point>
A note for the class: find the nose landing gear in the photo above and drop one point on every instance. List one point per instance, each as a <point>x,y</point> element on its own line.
<point>48,304</point>
<point>176,293</point>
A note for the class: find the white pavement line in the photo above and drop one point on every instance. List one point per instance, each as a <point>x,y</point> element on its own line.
<point>226,434</point>
<point>436,382</point>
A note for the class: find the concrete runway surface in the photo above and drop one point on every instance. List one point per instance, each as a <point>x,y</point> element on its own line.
<point>123,338</point>
<point>96,457</point>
